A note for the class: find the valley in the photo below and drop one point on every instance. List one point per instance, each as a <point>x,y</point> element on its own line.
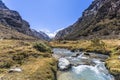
<point>89,49</point>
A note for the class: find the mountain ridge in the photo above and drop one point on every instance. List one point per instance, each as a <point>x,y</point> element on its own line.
<point>13,20</point>
<point>101,19</point>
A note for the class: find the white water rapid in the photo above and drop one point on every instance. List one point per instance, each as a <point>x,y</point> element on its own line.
<point>95,70</point>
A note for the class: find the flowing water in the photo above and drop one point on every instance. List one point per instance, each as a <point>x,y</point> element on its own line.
<point>84,67</point>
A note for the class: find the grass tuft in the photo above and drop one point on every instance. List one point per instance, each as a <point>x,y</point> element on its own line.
<point>42,47</point>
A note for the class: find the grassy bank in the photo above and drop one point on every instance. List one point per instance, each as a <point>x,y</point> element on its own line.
<point>88,45</point>
<point>113,62</point>
<point>37,64</point>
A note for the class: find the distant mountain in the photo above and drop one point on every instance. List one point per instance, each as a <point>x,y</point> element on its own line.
<point>12,19</point>
<point>41,35</point>
<point>101,19</point>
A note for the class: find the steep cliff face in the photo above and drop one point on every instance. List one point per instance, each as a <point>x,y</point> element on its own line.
<point>101,19</point>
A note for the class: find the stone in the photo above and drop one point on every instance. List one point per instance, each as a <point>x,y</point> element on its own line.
<point>63,64</point>
<point>15,70</point>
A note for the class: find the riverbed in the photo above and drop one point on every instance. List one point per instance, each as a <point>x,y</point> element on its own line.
<point>84,65</point>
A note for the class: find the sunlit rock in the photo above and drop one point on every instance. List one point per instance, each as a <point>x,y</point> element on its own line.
<point>64,64</point>
<point>15,70</point>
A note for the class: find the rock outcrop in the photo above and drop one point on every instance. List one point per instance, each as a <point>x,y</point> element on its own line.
<point>101,19</point>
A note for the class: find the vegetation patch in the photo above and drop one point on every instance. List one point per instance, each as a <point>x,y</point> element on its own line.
<point>34,62</point>
<point>98,46</point>
<point>113,62</point>
<point>42,47</point>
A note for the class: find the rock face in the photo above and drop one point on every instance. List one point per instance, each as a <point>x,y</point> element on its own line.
<point>63,64</point>
<point>12,19</point>
<point>101,19</point>
<point>41,35</point>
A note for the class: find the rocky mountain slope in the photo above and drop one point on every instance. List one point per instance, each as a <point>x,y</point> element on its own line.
<point>101,19</point>
<point>8,33</point>
<point>13,20</point>
<point>41,35</point>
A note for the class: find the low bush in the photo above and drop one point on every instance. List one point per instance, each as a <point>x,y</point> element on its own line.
<point>42,47</point>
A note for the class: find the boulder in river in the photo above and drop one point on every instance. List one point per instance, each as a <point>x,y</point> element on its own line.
<point>63,64</point>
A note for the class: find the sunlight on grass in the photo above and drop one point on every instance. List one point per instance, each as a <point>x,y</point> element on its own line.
<point>36,64</point>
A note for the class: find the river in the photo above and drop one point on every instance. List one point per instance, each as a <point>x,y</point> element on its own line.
<point>85,66</point>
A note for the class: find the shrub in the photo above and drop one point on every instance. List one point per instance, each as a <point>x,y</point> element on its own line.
<point>42,47</point>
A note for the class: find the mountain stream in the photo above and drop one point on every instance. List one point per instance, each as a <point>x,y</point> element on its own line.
<point>84,66</point>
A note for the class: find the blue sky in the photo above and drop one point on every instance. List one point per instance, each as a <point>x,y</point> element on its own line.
<point>49,15</point>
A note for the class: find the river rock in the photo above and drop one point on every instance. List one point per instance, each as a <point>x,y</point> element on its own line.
<point>63,64</point>
<point>117,76</point>
<point>15,70</point>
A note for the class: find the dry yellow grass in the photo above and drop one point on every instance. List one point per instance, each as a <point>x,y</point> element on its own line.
<point>70,44</point>
<point>113,64</point>
<point>85,44</point>
<point>111,44</point>
<point>36,65</point>
<point>37,69</point>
